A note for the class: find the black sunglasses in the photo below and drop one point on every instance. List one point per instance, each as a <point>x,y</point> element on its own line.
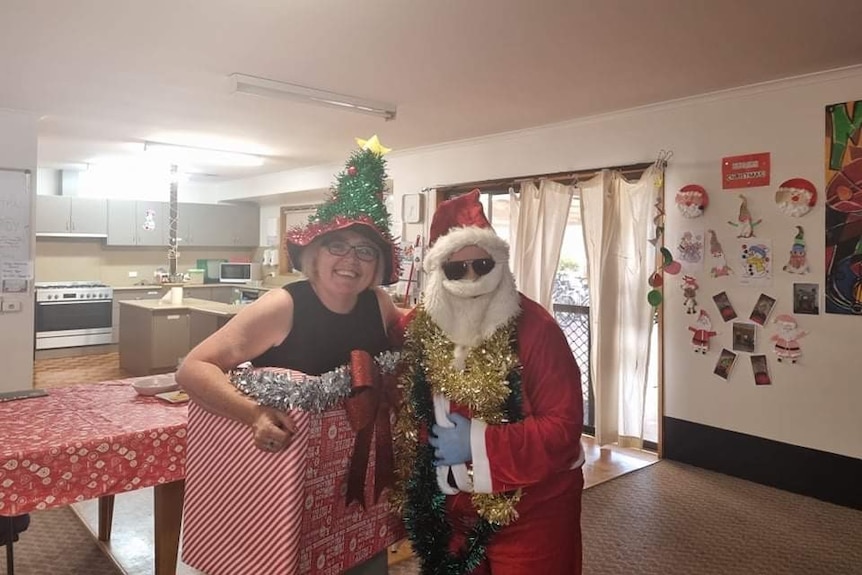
<point>363,252</point>
<point>458,269</point>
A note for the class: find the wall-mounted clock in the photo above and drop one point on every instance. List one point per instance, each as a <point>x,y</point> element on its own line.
<point>411,208</point>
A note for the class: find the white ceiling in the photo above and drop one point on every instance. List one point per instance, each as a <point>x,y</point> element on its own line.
<point>106,75</point>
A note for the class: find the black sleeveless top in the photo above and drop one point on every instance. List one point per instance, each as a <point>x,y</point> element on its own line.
<point>321,340</point>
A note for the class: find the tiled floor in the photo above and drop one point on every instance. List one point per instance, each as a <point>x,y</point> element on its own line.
<point>131,542</point>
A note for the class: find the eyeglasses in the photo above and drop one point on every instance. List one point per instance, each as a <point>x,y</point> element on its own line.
<point>363,252</point>
<point>458,269</point>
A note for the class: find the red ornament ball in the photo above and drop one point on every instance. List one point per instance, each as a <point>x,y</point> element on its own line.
<point>352,171</point>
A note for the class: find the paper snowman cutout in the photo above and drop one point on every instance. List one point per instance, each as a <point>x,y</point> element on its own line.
<point>796,197</point>
<point>692,200</point>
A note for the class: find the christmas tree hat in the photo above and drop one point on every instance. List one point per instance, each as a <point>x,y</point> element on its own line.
<point>355,203</point>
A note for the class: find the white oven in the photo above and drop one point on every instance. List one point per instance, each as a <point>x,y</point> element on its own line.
<point>72,314</point>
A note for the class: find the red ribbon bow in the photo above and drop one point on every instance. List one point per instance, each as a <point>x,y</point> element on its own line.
<point>368,408</point>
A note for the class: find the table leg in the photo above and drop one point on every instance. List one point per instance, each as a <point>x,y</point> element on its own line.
<point>10,560</point>
<point>106,517</point>
<point>167,515</point>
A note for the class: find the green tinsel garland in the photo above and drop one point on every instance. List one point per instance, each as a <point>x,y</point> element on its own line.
<point>425,506</point>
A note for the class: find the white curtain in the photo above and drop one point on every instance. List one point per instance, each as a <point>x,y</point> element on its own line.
<point>617,217</point>
<point>538,220</point>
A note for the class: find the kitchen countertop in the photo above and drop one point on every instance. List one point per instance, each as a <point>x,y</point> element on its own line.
<point>189,303</point>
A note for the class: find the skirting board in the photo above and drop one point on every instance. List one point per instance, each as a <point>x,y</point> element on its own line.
<point>818,474</point>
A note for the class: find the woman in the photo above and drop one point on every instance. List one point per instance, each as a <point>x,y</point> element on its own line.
<point>310,326</point>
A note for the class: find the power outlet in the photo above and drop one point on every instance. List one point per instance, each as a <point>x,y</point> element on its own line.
<point>133,274</point>
<point>10,305</point>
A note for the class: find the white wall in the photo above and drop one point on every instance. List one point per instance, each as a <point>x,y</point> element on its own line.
<point>18,150</point>
<point>814,404</point>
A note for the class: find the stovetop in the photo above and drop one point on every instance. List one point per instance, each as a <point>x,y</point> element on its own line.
<point>70,285</point>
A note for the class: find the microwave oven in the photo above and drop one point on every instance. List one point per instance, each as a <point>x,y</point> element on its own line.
<point>238,272</point>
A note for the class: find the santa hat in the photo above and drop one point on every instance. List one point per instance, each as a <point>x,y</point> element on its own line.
<point>799,238</point>
<point>744,214</point>
<point>797,189</point>
<point>786,319</point>
<point>458,223</point>
<point>703,318</point>
<point>359,208</point>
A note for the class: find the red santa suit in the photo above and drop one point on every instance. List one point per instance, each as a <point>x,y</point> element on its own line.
<point>538,453</point>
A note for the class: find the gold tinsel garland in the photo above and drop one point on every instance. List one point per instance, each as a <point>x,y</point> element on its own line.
<point>482,386</point>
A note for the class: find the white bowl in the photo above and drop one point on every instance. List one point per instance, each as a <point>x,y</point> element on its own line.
<point>155,384</point>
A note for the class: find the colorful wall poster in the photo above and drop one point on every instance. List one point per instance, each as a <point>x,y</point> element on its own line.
<point>843,288</point>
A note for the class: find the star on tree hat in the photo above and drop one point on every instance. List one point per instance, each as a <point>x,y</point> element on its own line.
<point>355,203</point>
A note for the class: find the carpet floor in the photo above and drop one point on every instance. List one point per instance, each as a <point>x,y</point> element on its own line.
<point>57,543</point>
<point>674,519</point>
<point>665,519</point>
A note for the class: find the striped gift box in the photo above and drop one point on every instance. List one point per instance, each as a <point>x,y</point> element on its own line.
<point>251,512</point>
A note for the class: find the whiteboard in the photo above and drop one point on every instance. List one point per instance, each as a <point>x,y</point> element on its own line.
<point>16,267</point>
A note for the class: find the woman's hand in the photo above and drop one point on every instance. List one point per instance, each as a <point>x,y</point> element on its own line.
<point>273,429</point>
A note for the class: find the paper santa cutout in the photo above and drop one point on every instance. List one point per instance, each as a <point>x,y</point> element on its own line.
<point>689,293</point>
<point>787,346</point>
<point>798,261</point>
<point>692,200</point>
<point>718,261</point>
<point>701,333</point>
<point>744,221</point>
<point>796,197</point>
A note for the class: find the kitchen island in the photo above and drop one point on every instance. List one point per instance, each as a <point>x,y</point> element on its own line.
<point>156,335</point>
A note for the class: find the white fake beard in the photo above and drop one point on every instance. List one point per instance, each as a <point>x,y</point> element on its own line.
<point>789,207</point>
<point>469,312</point>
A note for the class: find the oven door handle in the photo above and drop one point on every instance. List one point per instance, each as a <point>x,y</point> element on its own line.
<point>73,302</point>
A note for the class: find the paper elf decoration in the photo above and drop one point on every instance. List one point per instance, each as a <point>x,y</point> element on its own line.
<point>787,339</point>
<point>798,262</point>
<point>692,201</point>
<point>744,222</point>
<point>701,333</point>
<point>689,292</point>
<point>719,262</point>
<point>796,197</point>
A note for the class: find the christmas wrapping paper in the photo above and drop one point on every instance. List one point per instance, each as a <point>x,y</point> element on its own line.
<point>250,512</point>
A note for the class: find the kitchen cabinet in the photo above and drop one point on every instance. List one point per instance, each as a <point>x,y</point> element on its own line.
<point>218,225</point>
<point>126,294</point>
<point>138,223</point>
<point>152,340</point>
<point>224,293</point>
<point>67,215</point>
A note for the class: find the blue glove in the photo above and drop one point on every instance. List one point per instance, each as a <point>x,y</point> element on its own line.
<point>451,444</point>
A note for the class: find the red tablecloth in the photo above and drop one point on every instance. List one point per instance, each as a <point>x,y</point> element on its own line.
<point>87,441</point>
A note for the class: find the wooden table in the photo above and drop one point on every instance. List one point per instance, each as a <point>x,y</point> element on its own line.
<point>96,440</point>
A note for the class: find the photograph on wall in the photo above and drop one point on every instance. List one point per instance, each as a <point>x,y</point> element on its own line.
<point>743,336</point>
<point>725,308</point>
<point>761,370</point>
<point>843,287</point>
<point>755,261</point>
<point>724,364</point>
<point>806,299</point>
<point>762,309</point>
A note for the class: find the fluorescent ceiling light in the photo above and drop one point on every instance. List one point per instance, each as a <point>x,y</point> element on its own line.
<point>274,89</point>
<point>184,155</point>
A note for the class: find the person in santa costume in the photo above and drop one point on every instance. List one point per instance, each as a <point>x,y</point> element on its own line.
<point>487,441</point>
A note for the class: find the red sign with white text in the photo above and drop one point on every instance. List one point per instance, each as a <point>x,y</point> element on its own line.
<point>748,171</point>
